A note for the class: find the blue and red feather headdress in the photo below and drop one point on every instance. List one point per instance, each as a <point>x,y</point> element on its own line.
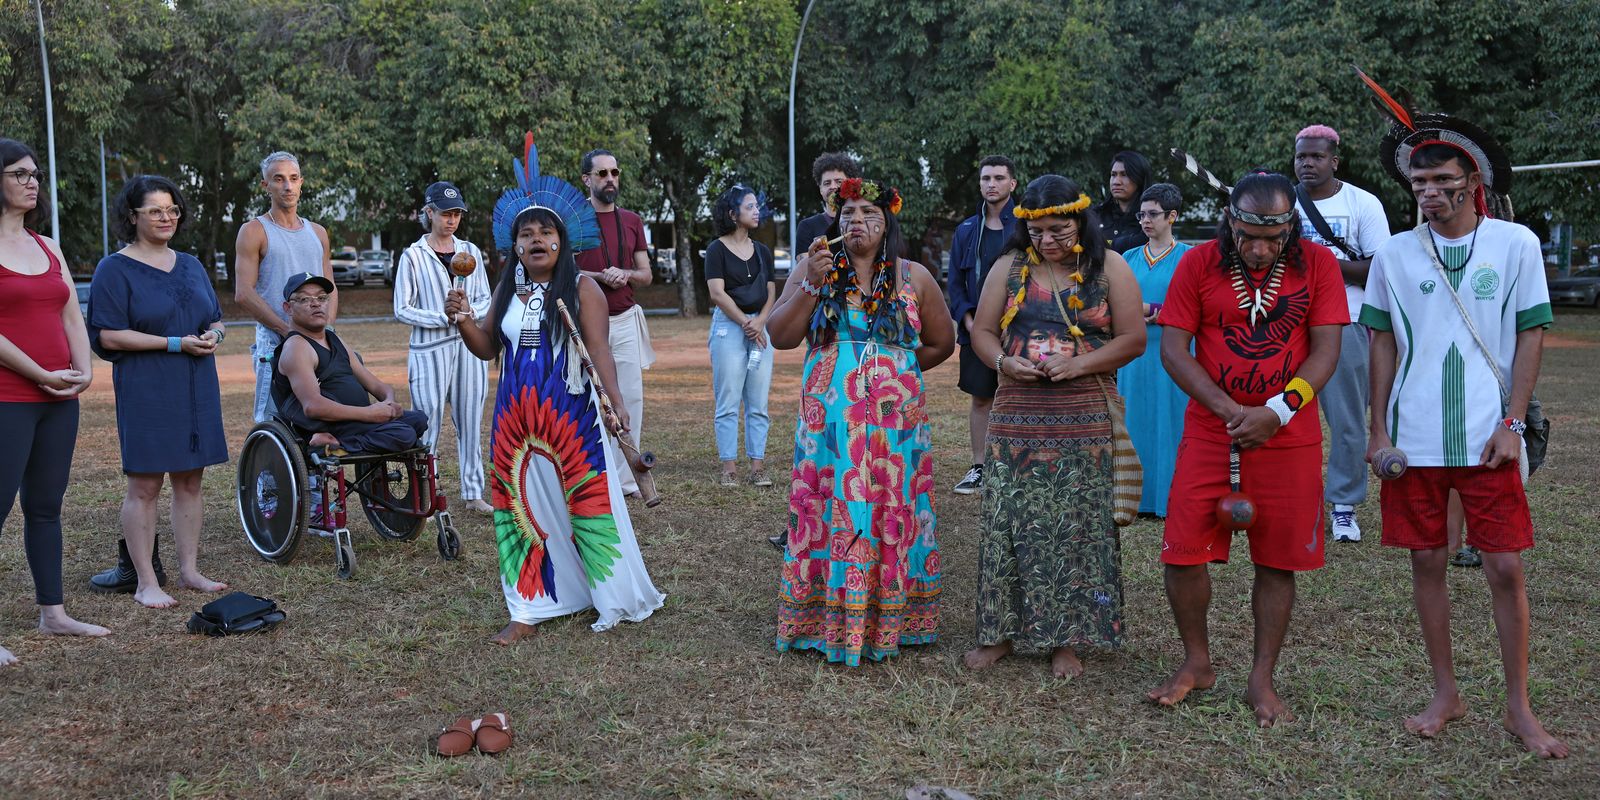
<point>547,191</point>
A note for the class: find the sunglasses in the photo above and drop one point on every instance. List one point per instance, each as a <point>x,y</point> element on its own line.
<point>601,173</point>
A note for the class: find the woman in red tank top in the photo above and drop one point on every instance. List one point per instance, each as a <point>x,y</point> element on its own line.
<point>44,365</point>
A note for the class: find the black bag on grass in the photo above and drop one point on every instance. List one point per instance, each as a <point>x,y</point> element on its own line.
<point>236,612</point>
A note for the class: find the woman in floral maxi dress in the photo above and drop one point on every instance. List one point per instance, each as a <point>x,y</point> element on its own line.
<point>861,567</point>
<point>1057,323</point>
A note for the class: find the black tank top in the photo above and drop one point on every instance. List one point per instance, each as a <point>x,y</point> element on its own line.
<point>334,376</point>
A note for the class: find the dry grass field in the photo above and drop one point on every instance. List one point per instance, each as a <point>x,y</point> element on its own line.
<point>342,700</point>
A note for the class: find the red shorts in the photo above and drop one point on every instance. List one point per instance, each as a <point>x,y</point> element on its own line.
<point>1284,483</point>
<point>1496,506</point>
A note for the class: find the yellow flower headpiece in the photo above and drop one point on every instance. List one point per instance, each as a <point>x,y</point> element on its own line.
<point>1062,210</point>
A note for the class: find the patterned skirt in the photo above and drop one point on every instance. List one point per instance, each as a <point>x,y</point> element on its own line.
<point>1049,560</point>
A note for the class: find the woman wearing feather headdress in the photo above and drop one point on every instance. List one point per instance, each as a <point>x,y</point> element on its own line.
<point>565,538</point>
<point>861,569</point>
<point>1056,324</point>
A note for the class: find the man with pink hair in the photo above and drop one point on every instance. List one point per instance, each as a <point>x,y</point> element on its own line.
<point>1349,221</point>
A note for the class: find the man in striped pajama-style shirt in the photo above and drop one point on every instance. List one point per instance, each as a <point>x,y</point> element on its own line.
<point>440,368</point>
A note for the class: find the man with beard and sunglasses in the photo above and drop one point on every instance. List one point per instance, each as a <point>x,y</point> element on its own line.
<point>619,264</point>
<point>1264,310</point>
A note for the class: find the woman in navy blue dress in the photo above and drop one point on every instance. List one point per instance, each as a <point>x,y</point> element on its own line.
<point>155,317</point>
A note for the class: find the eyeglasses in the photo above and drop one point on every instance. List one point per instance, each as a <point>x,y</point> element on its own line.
<point>601,173</point>
<point>24,177</point>
<point>1144,215</point>
<point>160,214</point>
<point>309,300</point>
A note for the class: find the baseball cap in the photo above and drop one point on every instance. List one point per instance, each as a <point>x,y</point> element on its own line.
<point>300,279</point>
<point>444,196</point>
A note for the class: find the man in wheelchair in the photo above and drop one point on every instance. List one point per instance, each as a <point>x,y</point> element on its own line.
<point>321,390</point>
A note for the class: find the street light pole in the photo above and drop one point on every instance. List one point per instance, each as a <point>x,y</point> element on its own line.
<point>49,126</point>
<point>794,203</point>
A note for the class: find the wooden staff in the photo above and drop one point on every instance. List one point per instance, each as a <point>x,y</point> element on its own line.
<point>641,462</point>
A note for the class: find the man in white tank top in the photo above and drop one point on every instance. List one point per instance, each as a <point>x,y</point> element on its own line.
<point>269,249</point>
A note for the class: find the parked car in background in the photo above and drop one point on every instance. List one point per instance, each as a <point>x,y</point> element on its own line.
<point>82,287</point>
<point>376,265</point>
<point>781,264</point>
<point>347,266</point>
<point>1582,287</point>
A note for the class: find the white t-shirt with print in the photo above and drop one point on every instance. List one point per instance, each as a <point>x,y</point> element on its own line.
<point>1445,401</point>
<point>1354,215</point>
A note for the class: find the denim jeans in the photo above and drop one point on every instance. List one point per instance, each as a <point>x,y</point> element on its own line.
<point>733,382</point>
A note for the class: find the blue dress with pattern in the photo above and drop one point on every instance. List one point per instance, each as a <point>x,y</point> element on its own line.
<point>1155,403</point>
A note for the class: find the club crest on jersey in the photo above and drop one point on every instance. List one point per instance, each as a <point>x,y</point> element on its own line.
<point>1427,287</point>
<point>1485,282</point>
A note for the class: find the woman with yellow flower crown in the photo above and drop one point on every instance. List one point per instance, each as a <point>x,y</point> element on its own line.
<point>861,564</point>
<point>1056,325</point>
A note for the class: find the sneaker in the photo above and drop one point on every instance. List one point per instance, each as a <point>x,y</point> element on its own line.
<point>972,482</point>
<point>759,477</point>
<point>1345,528</point>
<point>727,480</point>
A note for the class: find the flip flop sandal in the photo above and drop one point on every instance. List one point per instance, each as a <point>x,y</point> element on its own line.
<point>494,734</point>
<point>1467,557</point>
<point>457,738</point>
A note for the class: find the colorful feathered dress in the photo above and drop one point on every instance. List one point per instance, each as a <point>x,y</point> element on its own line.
<point>861,570</point>
<point>565,539</point>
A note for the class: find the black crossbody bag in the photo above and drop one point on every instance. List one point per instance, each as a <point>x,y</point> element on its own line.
<point>1321,225</point>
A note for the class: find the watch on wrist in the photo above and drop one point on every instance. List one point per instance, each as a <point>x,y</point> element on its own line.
<point>1515,425</point>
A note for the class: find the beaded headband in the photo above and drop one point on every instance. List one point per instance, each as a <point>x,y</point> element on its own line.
<point>1252,218</point>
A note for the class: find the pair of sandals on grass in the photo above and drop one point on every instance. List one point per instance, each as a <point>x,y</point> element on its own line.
<point>490,734</point>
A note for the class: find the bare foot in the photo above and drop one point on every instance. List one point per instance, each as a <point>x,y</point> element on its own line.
<point>1188,678</point>
<point>320,439</point>
<point>1441,711</point>
<point>153,597</point>
<point>479,506</point>
<point>514,632</point>
<point>1269,709</point>
<point>986,656</point>
<point>6,659</point>
<point>1065,664</point>
<point>200,583</point>
<point>1527,728</point>
<point>54,621</point>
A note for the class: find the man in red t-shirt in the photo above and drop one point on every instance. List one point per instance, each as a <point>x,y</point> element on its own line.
<point>1264,310</point>
<point>621,262</point>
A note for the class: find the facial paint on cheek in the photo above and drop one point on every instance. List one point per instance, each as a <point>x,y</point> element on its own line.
<point>1461,198</point>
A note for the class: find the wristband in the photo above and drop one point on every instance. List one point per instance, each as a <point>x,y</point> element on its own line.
<point>174,344</point>
<point>220,332</point>
<point>1294,397</point>
<point>998,360</point>
<point>1515,425</point>
<point>807,287</point>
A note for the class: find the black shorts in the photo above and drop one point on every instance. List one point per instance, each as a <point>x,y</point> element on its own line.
<point>977,378</point>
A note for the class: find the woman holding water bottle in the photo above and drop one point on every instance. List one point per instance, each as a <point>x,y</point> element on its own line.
<point>740,280</point>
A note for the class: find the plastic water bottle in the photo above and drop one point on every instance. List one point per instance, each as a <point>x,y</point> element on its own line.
<point>754,362</point>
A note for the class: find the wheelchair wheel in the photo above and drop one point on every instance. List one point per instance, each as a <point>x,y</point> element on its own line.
<point>449,541</point>
<point>396,487</point>
<point>273,492</point>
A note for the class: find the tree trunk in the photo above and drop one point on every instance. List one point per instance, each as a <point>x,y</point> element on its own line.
<point>688,303</point>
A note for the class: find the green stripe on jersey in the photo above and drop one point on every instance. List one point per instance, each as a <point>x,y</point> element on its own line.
<point>1455,257</point>
<point>1453,408</point>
